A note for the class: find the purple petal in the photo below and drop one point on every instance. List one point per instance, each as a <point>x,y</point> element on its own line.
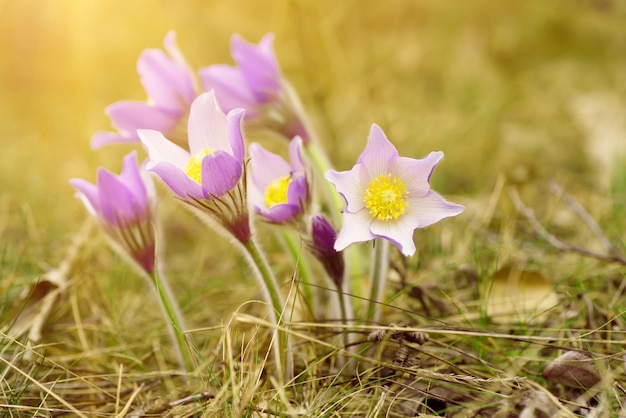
<point>398,231</point>
<point>128,116</point>
<point>281,213</point>
<point>356,228</point>
<point>160,149</point>
<point>230,87</point>
<point>168,83</point>
<point>220,173</point>
<point>101,138</point>
<point>295,155</point>
<point>207,125</point>
<point>176,179</point>
<point>117,202</point>
<point>378,153</point>
<point>88,193</point>
<point>351,185</point>
<point>235,133</point>
<point>416,173</point>
<point>297,193</point>
<point>266,166</point>
<point>258,65</point>
<point>427,210</point>
<point>132,179</point>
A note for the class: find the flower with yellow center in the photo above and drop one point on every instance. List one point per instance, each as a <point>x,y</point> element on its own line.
<point>193,169</point>
<point>279,190</point>
<point>388,196</point>
<point>276,191</point>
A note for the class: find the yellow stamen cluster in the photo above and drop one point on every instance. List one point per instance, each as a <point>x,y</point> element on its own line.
<point>276,191</point>
<point>386,197</point>
<point>193,169</point>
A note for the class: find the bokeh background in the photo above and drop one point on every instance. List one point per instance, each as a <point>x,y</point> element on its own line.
<point>527,90</point>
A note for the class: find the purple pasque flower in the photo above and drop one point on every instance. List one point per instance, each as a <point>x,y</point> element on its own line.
<point>321,245</point>
<point>124,206</point>
<point>257,85</point>
<point>170,85</point>
<point>255,80</point>
<point>209,175</point>
<point>388,196</point>
<point>279,192</point>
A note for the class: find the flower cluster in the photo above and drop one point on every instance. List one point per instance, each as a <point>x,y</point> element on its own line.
<point>196,145</point>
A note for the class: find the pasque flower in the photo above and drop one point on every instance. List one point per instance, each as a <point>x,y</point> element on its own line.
<point>124,206</point>
<point>321,245</point>
<point>171,88</point>
<point>257,85</point>
<point>388,196</point>
<point>212,169</point>
<point>279,191</point>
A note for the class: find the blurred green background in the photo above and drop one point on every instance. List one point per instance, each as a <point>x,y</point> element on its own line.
<point>531,90</point>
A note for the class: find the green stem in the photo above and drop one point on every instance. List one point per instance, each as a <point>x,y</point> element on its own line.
<point>272,294</point>
<point>320,162</point>
<point>378,278</point>
<point>177,327</point>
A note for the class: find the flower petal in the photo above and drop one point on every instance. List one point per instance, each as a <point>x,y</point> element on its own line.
<point>351,185</point>
<point>235,133</point>
<point>88,193</point>
<point>169,83</point>
<point>230,87</point>
<point>258,65</point>
<point>398,231</point>
<point>207,125</point>
<point>427,210</point>
<point>295,155</point>
<point>160,149</point>
<point>356,228</point>
<point>297,193</point>
<point>416,173</point>
<point>378,154</point>
<point>266,166</point>
<point>176,179</point>
<point>128,116</point>
<point>220,173</point>
<point>132,179</point>
<point>102,138</point>
<point>280,214</point>
<point>119,206</point>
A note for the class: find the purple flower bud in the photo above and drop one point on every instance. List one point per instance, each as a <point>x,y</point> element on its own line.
<point>322,246</point>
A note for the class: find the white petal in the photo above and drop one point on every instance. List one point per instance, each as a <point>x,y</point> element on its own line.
<point>398,231</point>
<point>429,209</point>
<point>356,228</point>
<point>161,149</point>
<point>351,185</point>
<point>207,125</point>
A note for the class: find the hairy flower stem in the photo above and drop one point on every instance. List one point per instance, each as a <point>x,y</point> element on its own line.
<point>171,311</point>
<point>379,270</point>
<point>282,350</point>
<point>320,162</point>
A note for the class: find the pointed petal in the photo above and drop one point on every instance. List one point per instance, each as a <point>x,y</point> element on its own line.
<point>295,155</point>
<point>176,179</point>
<point>169,83</point>
<point>234,121</point>
<point>356,228</point>
<point>429,209</point>
<point>297,193</point>
<point>101,138</point>
<point>128,116</point>
<point>88,194</point>
<point>230,87</point>
<point>161,149</point>
<point>258,65</point>
<point>280,213</point>
<point>351,185</point>
<point>416,173</point>
<point>379,153</point>
<point>266,166</point>
<point>207,125</point>
<point>220,173</point>
<point>398,231</point>
<point>133,180</point>
<point>117,202</point>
